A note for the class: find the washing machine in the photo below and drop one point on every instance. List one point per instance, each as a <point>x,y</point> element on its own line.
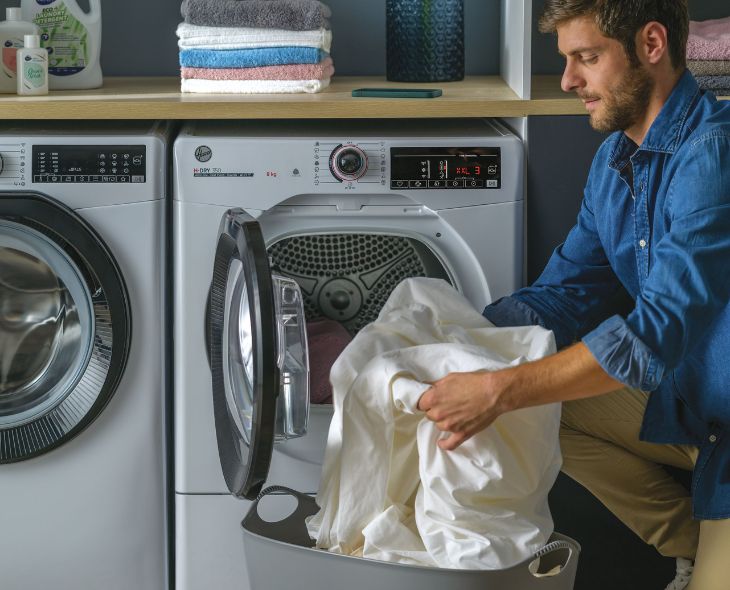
<point>269,217</point>
<point>82,358</point>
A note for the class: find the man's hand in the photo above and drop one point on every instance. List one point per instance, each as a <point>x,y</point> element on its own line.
<point>463,404</point>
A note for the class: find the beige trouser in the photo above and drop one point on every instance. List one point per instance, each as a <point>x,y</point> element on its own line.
<point>599,438</point>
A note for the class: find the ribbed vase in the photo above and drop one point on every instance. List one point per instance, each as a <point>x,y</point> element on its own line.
<point>425,40</point>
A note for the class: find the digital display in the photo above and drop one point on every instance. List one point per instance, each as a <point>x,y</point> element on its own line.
<point>89,164</point>
<point>445,168</point>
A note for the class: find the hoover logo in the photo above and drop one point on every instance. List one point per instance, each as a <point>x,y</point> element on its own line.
<point>203,153</point>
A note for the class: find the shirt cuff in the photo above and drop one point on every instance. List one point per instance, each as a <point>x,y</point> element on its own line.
<point>508,312</point>
<point>623,356</point>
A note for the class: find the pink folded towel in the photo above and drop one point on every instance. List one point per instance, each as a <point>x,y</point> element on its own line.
<point>326,340</point>
<point>709,39</point>
<point>318,71</point>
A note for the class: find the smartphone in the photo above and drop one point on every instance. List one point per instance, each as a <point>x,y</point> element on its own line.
<point>398,92</point>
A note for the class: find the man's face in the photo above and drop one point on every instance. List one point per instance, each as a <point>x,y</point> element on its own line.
<point>615,93</point>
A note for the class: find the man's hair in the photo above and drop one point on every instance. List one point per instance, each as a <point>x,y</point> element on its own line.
<point>622,19</point>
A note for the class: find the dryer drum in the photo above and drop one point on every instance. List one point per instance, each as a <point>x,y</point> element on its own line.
<point>348,277</point>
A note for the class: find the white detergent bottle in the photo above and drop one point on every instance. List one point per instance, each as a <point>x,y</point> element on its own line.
<point>12,31</point>
<point>72,38</point>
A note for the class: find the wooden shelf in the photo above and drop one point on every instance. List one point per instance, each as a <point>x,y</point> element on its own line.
<point>160,98</point>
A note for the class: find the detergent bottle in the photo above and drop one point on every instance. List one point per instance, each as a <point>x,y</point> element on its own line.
<point>12,31</point>
<point>72,38</point>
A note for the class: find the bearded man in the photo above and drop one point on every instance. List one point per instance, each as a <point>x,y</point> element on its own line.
<point>651,388</point>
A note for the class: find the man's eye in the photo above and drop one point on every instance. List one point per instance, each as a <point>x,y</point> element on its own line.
<point>590,59</point>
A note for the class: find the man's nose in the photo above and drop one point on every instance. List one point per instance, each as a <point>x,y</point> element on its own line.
<point>570,81</point>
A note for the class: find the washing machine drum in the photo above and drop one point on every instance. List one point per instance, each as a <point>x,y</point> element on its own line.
<point>64,325</point>
<point>347,277</point>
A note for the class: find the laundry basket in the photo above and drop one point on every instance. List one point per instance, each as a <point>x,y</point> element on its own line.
<point>280,556</point>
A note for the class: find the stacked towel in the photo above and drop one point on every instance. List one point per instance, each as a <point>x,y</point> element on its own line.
<point>708,54</point>
<point>255,46</point>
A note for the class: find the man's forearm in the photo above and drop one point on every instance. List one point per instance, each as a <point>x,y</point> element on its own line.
<point>570,374</point>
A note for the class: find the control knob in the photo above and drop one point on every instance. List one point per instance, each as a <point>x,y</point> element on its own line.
<point>348,162</point>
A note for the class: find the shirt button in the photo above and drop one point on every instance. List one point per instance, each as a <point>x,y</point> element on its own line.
<point>713,438</point>
<point>642,243</point>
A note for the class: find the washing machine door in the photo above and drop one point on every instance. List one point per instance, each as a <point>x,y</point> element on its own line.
<point>258,355</point>
<point>64,325</point>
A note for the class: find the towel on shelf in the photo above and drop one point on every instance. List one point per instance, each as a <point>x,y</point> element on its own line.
<point>320,71</point>
<point>253,86</point>
<point>709,39</point>
<point>387,491</point>
<point>713,82</point>
<point>294,15</point>
<point>193,36</point>
<point>250,58</point>
<point>709,67</point>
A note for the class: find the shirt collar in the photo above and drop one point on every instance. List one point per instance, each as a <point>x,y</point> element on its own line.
<point>666,130</point>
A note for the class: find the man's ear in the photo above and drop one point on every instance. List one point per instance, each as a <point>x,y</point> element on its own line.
<point>651,42</point>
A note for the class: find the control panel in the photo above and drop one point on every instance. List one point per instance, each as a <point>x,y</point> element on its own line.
<point>445,168</point>
<point>89,164</point>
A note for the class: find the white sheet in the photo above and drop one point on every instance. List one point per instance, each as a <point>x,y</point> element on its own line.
<point>388,492</point>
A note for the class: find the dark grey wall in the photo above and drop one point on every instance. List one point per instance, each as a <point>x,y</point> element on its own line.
<point>138,36</point>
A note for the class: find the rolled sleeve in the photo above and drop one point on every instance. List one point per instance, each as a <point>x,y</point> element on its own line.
<point>623,355</point>
<point>508,311</point>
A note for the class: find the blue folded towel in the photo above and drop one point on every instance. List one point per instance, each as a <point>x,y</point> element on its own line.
<point>713,82</point>
<point>250,58</point>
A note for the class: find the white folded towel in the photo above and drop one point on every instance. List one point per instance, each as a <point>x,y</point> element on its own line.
<point>388,491</point>
<point>253,86</point>
<point>194,36</point>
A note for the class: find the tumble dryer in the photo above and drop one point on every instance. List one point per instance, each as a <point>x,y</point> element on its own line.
<point>82,361</point>
<point>341,213</point>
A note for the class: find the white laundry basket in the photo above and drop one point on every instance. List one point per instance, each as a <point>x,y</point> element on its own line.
<point>280,556</point>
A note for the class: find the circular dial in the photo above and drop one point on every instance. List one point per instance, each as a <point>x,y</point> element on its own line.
<point>348,162</point>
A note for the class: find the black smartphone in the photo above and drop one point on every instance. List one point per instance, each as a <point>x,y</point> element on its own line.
<point>398,92</point>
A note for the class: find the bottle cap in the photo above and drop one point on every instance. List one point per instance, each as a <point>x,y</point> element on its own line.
<point>13,14</point>
<point>31,41</point>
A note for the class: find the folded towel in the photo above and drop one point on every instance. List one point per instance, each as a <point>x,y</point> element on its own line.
<point>713,82</point>
<point>320,71</point>
<point>709,67</point>
<point>245,37</point>
<point>250,58</point>
<point>294,15</point>
<point>253,86</point>
<point>709,39</point>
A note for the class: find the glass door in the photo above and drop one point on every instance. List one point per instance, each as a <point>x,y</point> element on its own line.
<point>64,325</point>
<point>258,355</point>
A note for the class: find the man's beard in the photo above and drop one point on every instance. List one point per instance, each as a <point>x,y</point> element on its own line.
<point>625,103</point>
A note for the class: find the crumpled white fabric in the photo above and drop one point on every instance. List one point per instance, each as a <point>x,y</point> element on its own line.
<point>388,492</point>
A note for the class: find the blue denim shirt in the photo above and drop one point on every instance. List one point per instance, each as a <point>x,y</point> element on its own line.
<point>655,219</point>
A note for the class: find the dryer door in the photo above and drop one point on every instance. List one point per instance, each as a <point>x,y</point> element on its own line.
<point>64,325</point>
<point>258,355</point>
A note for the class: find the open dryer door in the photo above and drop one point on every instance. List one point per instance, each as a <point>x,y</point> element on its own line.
<point>258,355</point>
<point>65,325</point>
